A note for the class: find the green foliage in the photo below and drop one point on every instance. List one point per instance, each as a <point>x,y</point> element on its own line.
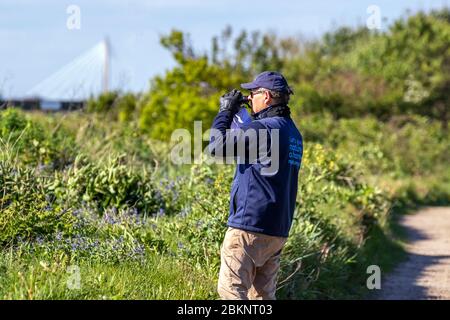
<point>202,223</point>
<point>358,72</point>
<point>127,107</point>
<point>112,184</point>
<point>349,72</point>
<point>25,206</point>
<point>118,105</point>
<point>407,145</point>
<point>336,213</point>
<point>411,63</point>
<point>114,210</point>
<point>191,90</point>
<point>33,143</point>
<point>185,94</point>
<point>104,103</point>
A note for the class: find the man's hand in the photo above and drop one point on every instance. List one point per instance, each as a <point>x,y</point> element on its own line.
<point>231,101</point>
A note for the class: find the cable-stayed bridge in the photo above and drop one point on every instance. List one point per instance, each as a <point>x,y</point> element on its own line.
<point>69,87</point>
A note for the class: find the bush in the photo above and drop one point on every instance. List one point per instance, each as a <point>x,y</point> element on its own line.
<point>33,143</point>
<point>105,103</point>
<point>26,208</point>
<point>127,107</point>
<point>336,213</point>
<point>109,184</point>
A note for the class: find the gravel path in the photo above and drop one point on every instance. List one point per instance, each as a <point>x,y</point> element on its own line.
<point>426,272</point>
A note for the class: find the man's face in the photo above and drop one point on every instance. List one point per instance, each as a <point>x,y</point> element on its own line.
<point>260,99</point>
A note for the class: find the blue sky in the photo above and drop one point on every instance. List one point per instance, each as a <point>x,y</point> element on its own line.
<point>35,42</point>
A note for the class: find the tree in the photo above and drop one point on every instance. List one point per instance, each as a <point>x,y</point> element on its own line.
<point>418,52</point>
<point>191,90</point>
<point>188,92</point>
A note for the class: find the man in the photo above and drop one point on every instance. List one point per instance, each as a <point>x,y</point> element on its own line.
<point>264,192</point>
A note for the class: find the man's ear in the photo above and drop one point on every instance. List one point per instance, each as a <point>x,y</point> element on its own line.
<point>267,97</point>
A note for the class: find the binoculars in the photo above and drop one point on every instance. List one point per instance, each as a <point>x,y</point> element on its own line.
<point>244,99</point>
<point>245,102</point>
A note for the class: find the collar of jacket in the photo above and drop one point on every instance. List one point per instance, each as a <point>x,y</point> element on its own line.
<point>276,110</point>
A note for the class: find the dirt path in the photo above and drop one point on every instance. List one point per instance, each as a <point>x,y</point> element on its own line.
<point>426,272</point>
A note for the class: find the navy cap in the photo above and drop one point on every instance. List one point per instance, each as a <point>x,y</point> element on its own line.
<point>269,80</point>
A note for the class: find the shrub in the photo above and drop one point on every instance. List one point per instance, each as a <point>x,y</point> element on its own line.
<point>109,184</point>
<point>26,207</point>
<point>33,143</point>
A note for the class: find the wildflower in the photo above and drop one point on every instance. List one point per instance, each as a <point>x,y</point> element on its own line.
<point>158,195</point>
<point>170,186</point>
<point>184,212</point>
<point>76,212</point>
<point>199,224</point>
<point>108,219</point>
<point>39,240</point>
<point>161,212</point>
<point>59,236</point>
<point>139,250</point>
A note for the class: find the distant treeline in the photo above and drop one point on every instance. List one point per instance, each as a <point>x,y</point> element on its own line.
<point>348,72</point>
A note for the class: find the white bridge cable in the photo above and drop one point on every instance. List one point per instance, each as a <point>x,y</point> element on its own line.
<point>56,79</point>
<point>89,83</point>
<point>56,84</point>
<point>72,89</point>
<point>77,80</point>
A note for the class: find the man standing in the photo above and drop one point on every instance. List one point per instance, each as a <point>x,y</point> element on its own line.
<point>264,189</point>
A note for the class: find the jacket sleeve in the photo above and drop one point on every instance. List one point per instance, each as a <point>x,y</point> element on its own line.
<point>245,144</point>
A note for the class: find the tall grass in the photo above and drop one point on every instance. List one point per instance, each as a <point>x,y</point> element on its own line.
<point>103,197</point>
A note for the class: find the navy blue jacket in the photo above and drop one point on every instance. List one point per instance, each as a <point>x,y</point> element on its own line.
<point>262,199</point>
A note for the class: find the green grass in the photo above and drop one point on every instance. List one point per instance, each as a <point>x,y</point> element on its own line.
<point>158,277</point>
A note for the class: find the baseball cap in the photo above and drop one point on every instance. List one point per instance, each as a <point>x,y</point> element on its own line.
<point>269,80</point>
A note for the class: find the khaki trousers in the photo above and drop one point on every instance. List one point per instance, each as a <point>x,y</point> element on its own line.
<point>249,265</point>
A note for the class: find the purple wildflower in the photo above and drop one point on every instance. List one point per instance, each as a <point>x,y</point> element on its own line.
<point>161,212</point>
<point>59,236</point>
<point>39,240</point>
